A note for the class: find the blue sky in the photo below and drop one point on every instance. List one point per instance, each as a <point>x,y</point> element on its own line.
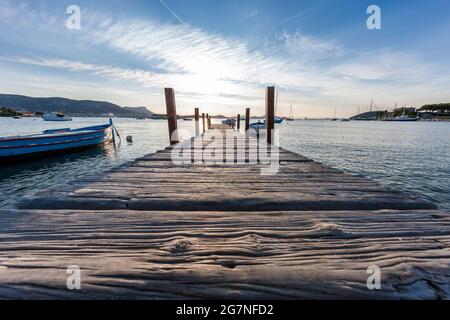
<point>219,55</point>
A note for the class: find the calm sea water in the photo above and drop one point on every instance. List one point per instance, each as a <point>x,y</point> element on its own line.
<point>413,157</point>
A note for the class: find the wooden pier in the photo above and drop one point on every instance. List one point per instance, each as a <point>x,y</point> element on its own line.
<point>204,229</point>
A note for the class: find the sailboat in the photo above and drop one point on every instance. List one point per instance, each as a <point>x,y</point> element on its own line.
<point>291,115</point>
<point>334,119</point>
<point>276,119</point>
<point>367,116</point>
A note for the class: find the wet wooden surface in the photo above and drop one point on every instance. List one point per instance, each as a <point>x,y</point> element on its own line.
<point>211,229</point>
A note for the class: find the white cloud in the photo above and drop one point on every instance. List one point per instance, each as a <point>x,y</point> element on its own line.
<point>195,60</point>
<point>294,18</point>
<point>144,77</point>
<point>385,65</point>
<point>307,47</point>
<point>252,13</point>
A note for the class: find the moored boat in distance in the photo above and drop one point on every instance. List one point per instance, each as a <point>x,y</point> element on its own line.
<point>401,118</point>
<point>258,125</point>
<point>54,141</point>
<point>278,120</point>
<point>56,116</point>
<point>230,122</point>
<point>291,115</point>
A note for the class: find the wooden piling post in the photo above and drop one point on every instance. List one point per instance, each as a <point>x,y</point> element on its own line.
<point>270,113</point>
<point>247,119</point>
<point>197,124</point>
<point>238,124</point>
<point>171,115</point>
<point>203,122</point>
<point>207,121</point>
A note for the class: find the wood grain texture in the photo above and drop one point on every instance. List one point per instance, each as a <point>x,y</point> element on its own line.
<point>129,254</point>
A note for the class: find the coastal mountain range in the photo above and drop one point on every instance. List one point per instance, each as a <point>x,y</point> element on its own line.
<point>74,108</point>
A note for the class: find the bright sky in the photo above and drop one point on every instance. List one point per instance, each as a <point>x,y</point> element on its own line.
<point>220,55</point>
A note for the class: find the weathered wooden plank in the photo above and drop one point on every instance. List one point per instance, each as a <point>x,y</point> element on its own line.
<point>226,199</point>
<point>128,254</point>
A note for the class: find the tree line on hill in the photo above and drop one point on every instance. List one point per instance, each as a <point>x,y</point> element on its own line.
<point>10,104</point>
<point>439,107</point>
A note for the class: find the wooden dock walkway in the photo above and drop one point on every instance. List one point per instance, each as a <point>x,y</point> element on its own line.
<point>153,229</point>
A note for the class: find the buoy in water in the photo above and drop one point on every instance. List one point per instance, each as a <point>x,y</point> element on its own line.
<point>130,139</point>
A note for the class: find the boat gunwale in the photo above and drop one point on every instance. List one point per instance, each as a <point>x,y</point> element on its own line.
<point>48,144</point>
<point>47,136</point>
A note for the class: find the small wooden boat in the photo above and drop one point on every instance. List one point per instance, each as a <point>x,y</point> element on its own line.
<point>54,141</point>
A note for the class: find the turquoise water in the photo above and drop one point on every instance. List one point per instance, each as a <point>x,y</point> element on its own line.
<point>413,157</point>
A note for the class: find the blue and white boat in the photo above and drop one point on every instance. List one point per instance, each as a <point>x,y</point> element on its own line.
<point>278,120</point>
<point>56,116</point>
<point>230,122</point>
<point>258,125</point>
<point>54,141</point>
<point>261,124</point>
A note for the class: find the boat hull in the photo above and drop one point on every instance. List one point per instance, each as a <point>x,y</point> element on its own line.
<point>230,122</point>
<point>278,120</point>
<point>402,120</point>
<point>60,120</point>
<point>17,148</point>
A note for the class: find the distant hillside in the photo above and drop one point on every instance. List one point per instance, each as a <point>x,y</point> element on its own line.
<point>143,111</point>
<point>372,115</point>
<point>70,107</point>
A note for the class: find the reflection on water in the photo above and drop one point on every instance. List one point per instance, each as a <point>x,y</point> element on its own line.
<point>18,180</point>
<point>414,157</point>
<point>31,176</point>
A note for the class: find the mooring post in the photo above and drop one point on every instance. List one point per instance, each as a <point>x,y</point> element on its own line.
<point>171,115</point>
<point>238,124</point>
<point>247,119</point>
<point>207,121</point>
<point>203,122</point>
<point>270,113</point>
<point>197,124</point>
